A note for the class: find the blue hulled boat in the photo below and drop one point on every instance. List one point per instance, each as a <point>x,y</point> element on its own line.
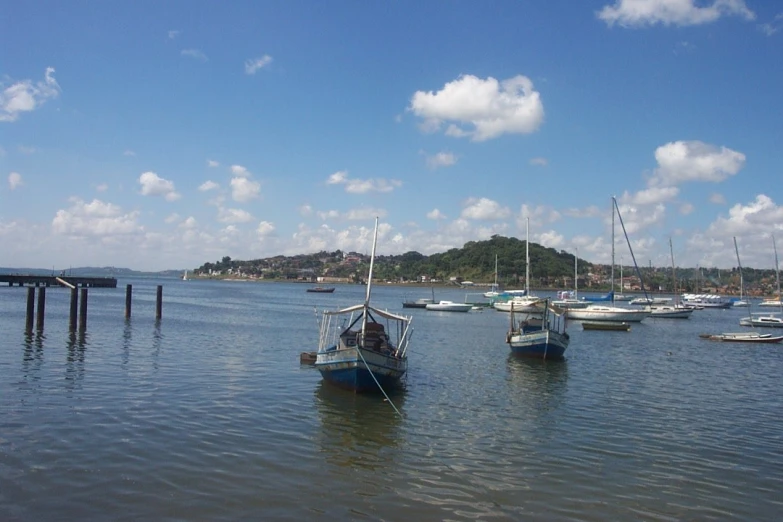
<point>540,336</point>
<point>370,353</point>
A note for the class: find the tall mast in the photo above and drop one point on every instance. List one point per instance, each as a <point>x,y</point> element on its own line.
<point>527,256</point>
<point>576,279</point>
<point>777,273</point>
<point>674,274</point>
<point>372,261</point>
<point>612,289</point>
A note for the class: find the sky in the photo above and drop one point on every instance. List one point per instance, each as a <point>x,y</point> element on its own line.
<point>163,135</point>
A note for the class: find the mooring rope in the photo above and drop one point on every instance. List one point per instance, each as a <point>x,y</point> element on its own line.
<point>358,349</point>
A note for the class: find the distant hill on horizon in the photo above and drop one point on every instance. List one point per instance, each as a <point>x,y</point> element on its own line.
<point>86,271</point>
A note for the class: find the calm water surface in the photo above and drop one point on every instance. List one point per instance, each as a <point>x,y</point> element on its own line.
<point>208,415</point>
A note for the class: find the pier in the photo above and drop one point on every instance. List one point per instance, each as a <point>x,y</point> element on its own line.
<point>44,280</point>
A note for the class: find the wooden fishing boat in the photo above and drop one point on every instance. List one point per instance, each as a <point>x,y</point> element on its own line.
<point>742,337</point>
<point>367,354</point>
<point>606,325</point>
<point>544,337</point>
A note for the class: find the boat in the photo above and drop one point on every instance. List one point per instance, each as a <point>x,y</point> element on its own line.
<point>620,326</point>
<point>185,276</point>
<point>771,319</point>
<point>321,289</point>
<point>599,312</point>
<point>494,289</point>
<point>567,299</point>
<point>677,311</point>
<point>771,302</point>
<point>701,301</point>
<point>521,301</point>
<point>449,306</point>
<point>418,303</point>
<point>366,355</point>
<point>742,337</point>
<point>544,339</point>
<point>741,302</point>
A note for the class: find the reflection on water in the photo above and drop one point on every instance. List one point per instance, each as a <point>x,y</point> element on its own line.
<point>534,375</point>
<point>356,428</point>
<point>74,368</point>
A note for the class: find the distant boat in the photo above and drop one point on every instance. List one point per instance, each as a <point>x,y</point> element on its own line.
<point>363,356</point>
<point>418,303</point>
<point>606,325</point>
<point>677,311</point>
<point>321,289</point>
<point>769,319</point>
<point>185,276</point>
<point>750,337</point>
<point>449,306</point>
<point>543,338</point>
<point>520,301</point>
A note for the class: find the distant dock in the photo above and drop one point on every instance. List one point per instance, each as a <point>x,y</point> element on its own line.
<point>43,280</point>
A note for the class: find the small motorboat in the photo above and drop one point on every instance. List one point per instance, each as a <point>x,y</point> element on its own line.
<point>606,325</point>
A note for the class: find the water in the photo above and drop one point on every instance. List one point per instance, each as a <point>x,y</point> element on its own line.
<point>208,415</point>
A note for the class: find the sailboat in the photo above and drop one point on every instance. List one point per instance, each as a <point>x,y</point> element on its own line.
<point>185,276</point>
<point>677,311</point>
<point>741,302</point>
<point>571,299</point>
<point>494,292</point>
<point>525,302</point>
<point>367,354</point>
<point>771,319</point>
<point>597,312</point>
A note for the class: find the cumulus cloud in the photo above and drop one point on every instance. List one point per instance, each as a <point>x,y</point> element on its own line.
<point>362,186</point>
<point>243,189</point>
<point>772,27</point>
<point>26,96</point>
<point>364,213</point>
<point>96,218</point>
<point>189,224</point>
<point>14,180</point>
<point>254,64</point>
<point>483,209</point>
<point>436,214</point>
<point>265,228</point>
<point>208,185</point>
<point>639,13</point>
<point>551,239</point>
<point>654,195</point>
<point>212,163</point>
<point>761,214</point>
<point>154,185</point>
<point>194,53</point>
<point>233,215</point>
<point>481,109</point>
<point>441,159</point>
<point>173,34</point>
<point>240,171</point>
<point>682,161</point>
<point>305,210</point>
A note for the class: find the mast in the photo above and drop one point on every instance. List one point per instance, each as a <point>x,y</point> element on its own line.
<point>674,275</point>
<point>736,250</point>
<point>369,280</point>
<point>495,288</point>
<point>777,273</point>
<point>576,280</point>
<point>612,289</point>
<point>527,256</point>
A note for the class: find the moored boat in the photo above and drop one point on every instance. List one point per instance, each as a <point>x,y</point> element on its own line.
<point>606,325</point>
<point>741,337</point>
<point>545,338</point>
<point>367,355</point>
<point>448,306</point>
<point>321,289</point>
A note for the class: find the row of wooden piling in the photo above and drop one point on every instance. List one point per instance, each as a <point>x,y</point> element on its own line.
<point>38,316</point>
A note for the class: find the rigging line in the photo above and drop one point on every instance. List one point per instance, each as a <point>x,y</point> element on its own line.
<point>638,273</point>
<point>739,264</point>
<point>358,349</point>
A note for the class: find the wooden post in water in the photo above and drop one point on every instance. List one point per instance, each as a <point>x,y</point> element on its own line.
<point>74,307</point>
<point>39,323</point>
<point>128,294</point>
<point>30,309</point>
<point>159,303</point>
<point>83,311</point>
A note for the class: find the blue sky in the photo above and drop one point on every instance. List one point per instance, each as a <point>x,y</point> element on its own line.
<point>156,135</point>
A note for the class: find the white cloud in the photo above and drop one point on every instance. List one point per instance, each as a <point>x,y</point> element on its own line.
<point>328,214</point>
<point>364,213</point>
<point>483,209</point>
<point>172,218</point>
<point>129,152</point>
<point>772,27</point>
<point>265,228</point>
<point>254,64</point>
<point>441,159</point>
<point>208,185</point>
<point>243,189</point>
<point>96,218</point>
<point>550,239</point>
<point>362,186</point>
<point>305,210</point>
<point>653,195</point>
<point>687,208</point>
<point>174,33</point>
<point>539,215</point>
<point>486,109</point>
<point>25,96</point>
<point>682,161</point>
<point>436,214</point>
<point>589,212</point>
<point>154,185</point>
<point>194,53</point>
<point>212,163</point>
<point>630,13</point>
<point>189,224</point>
<point>14,180</point>
<point>240,171</point>
<point>718,199</point>
<point>539,162</point>
<point>233,215</point>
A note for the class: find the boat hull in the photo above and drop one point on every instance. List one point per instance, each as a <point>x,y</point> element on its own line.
<point>606,325</point>
<point>605,313</point>
<point>766,322</point>
<point>346,369</point>
<point>542,344</point>
<point>743,338</point>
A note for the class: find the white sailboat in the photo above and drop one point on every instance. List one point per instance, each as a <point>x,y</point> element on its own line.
<point>185,276</point>
<point>525,303</point>
<point>495,289</point>
<point>677,311</point>
<point>569,300</point>
<point>770,319</point>
<point>598,312</point>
